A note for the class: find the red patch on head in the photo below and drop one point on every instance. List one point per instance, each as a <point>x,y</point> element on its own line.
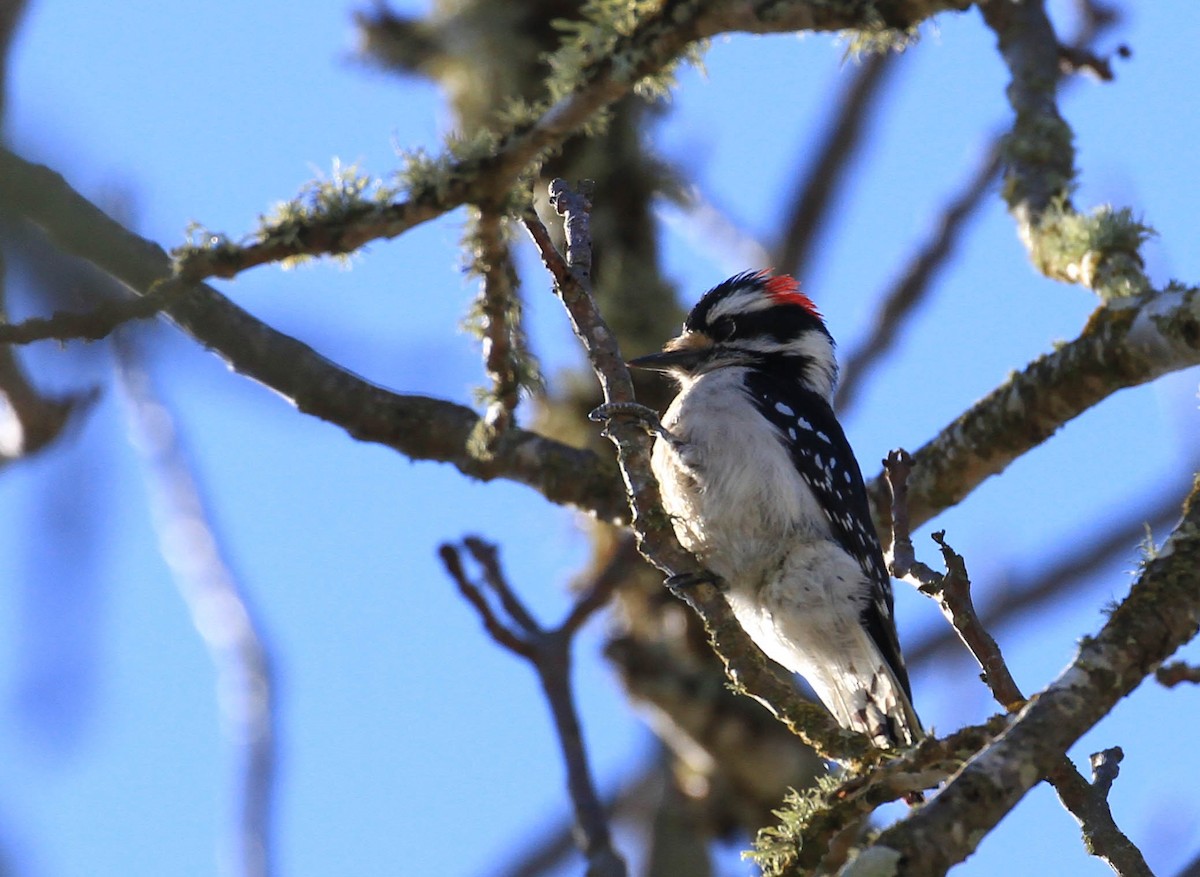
<point>785,290</point>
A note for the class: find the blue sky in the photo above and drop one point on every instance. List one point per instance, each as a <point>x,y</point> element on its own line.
<point>409,742</point>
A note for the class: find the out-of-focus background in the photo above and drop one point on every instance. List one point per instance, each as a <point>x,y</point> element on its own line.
<point>407,741</point>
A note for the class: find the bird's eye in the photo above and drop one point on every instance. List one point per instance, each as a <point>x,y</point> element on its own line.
<point>722,329</point>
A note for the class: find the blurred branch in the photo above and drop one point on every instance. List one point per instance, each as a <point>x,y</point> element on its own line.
<point>546,853</point>
<point>1191,869</point>
<point>1177,673</point>
<point>219,609</point>
<point>98,323</point>
<point>498,312</point>
<point>417,426</point>
<point>29,420</point>
<point>1101,250</point>
<point>816,189</point>
<point>1161,613</point>
<point>549,653</point>
<point>952,592</point>
<point>1022,596</point>
<point>1038,153</point>
<point>909,291</point>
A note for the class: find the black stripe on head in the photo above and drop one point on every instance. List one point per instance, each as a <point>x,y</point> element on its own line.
<point>754,305</point>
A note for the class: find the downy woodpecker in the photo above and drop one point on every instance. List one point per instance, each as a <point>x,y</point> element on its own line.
<point>761,484</point>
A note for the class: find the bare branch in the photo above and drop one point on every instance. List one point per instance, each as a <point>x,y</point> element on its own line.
<point>1177,673</point>
<point>220,611</point>
<point>600,589</point>
<point>474,595</point>
<point>952,592</point>
<point>1125,343</point>
<point>549,653</point>
<point>1105,769</point>
<point>1160,614</point>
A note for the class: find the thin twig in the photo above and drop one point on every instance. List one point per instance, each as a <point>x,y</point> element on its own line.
<point>548,651</point>
<point>220,611</point>
<point>474,595</point>
<point>1177,673</point>
<point>93,325</point>
<point>952,592</point>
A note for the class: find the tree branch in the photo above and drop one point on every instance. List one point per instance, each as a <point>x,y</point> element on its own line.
<point>656,42</point>
<point>1125,343</point>
<point>220,612</point>
<point>952,592</point>
<point>1161,613</point>
<point>417,426</point>
<point>549,653</point>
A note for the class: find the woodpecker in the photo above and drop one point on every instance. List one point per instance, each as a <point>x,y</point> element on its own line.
<point>762,486</point>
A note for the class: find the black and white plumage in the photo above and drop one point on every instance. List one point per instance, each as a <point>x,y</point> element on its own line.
<point>761,484</point>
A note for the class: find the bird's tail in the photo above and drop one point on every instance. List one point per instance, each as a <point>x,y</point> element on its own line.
<point>871,700</point>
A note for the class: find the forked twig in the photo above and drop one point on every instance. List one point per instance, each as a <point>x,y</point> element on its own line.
<point>548,651</point>
<point>1087,802</point>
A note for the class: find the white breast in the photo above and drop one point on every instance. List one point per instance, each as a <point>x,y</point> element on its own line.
<point>733,492</point>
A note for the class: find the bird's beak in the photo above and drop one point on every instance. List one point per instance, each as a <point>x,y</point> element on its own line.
<point>680,354</point>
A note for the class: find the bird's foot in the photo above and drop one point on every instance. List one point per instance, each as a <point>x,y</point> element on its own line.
<point>680,584</point>
<point>645,417</point>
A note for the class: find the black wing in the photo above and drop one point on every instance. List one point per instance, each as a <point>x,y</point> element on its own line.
<point>825,460</point>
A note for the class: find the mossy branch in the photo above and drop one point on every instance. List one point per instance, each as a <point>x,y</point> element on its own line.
<point>485,168</point>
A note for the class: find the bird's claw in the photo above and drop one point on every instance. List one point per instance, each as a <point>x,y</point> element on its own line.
<point>679,584</point>
<point>646,417</point>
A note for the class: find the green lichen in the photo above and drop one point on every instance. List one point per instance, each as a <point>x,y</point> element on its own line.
<point>1100,250</point>
<point>203,244</point>
<point>595,38</point>
<point>343,197</point>
<point>777,847</point>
